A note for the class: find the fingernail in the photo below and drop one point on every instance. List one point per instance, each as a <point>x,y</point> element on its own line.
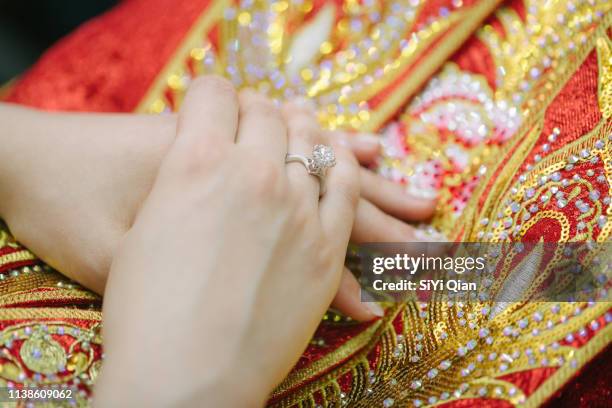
<point>429,235</point>
<point>376,309</point>
<point>367,140</point>
<point>422,193</point>
<point>372,305</point>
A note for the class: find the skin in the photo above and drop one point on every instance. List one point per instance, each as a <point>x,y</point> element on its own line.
<point>279,258</point>
<point>79,180</point>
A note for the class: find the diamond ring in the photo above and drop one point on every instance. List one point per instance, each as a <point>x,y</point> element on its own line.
<point>323,157</point>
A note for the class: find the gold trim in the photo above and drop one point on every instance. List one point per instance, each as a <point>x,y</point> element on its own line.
<point>55,294</point>
<point>452,39</point>
<point>433,62</point>
<point>329,380</point>
<point>604,63</point>
<point>560,378</point>
<point>389,78</point>
<point>191,40</point>
<point>49,313</point>
<point>18,256</point>
<point>344,351</point>
<point>474,211</point>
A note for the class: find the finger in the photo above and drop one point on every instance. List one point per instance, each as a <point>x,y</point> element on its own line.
<point>304,134</point>
<point>393,198</point>
<point>365,146</point>
<point>338,204</point>
<point>348,300</point>
<point>262,126</point>
<point>373,225</point>
<point>210,111</point>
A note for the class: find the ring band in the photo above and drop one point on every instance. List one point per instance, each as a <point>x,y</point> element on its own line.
<point>323,157</point>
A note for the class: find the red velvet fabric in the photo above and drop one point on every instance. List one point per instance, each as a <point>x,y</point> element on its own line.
<point>108,64</point>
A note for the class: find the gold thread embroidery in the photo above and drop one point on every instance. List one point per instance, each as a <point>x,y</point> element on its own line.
<point>16,257</point>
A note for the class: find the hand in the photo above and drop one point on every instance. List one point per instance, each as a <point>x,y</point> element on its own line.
<point>80,179</point>
<point>379,198</point>
<point>217,288</point>
<point>71,184</point>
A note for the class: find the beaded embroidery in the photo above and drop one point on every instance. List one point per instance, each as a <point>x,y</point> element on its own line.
<point>484,142</point>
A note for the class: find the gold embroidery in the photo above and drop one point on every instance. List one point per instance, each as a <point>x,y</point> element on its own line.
<point>541,325</point>
<point>425,69</point>
<point>37,344</point>
<point>346,350</point>
<point>445,351</point>
<point>171,74</point>
<point>69,296</point>
<point>604,54</point>
<point>580,356</point>
<point>16,257</point>
<point>58,313</point>
<point>40,353</point>
<point>536,90</point>
<point>341,82</point>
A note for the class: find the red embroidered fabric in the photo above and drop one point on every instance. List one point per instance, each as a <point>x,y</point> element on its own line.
<point>109,64</point>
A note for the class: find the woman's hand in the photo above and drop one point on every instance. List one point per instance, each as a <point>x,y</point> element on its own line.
<point>71,184</point>
<point>217,288</point>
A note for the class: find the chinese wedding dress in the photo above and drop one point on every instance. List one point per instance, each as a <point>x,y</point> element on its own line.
<point>503,108</point>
